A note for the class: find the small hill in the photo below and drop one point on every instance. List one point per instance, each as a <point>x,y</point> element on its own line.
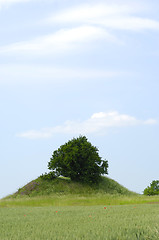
<point>64,186</point>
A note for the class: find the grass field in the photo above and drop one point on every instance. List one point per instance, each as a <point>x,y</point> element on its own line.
<point>126,222</point>
<point>78,200</point>
<point>62,209</point>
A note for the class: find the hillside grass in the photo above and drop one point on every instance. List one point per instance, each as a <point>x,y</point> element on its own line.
<point>65,186</point>
<point>64,192</point>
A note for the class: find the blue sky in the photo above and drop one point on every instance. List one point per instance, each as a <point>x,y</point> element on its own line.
<point>69,68</point>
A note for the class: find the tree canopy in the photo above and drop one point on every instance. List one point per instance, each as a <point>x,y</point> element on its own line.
<point>79,160</point>
<point>153,189</point>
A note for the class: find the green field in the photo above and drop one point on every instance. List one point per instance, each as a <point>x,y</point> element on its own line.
<point>78,200</point>
<point>62,209</point>
<point>92,222</point>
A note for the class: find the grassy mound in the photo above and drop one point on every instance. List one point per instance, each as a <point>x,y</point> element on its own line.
<point>64,192</point>
<point>64,186</point>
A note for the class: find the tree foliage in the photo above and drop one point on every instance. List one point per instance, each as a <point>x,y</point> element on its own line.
<point>153,189</point>
<point>78,160</point>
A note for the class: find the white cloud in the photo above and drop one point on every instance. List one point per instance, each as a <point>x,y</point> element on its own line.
<point>82,25</point>
<point>60,41</point>
<point>29,74</point>
<point>97,123</point>
<point>130,23</point>
<point>150,121</point>
<point>114,16</point>
<point>87,13</point>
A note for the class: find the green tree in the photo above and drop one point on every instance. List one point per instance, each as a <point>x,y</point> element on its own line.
<point>153,189</point>
<point>79,160</point>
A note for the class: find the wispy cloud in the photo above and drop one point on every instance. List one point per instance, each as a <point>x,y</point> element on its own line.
<point>114,16</point>
<point>81,25</point>
<point>87,13</point>
<point>97,123</point>
<point>30,74</point>
<point>129,23</point>
<point>60,41</point>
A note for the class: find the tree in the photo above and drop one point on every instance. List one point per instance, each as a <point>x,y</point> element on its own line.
<point>79,160</point>
<point>153,189</point>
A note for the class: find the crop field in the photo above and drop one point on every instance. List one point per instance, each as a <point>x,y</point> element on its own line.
<point>105,222</point>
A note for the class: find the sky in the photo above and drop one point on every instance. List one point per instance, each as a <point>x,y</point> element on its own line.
<point>70,68</point>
